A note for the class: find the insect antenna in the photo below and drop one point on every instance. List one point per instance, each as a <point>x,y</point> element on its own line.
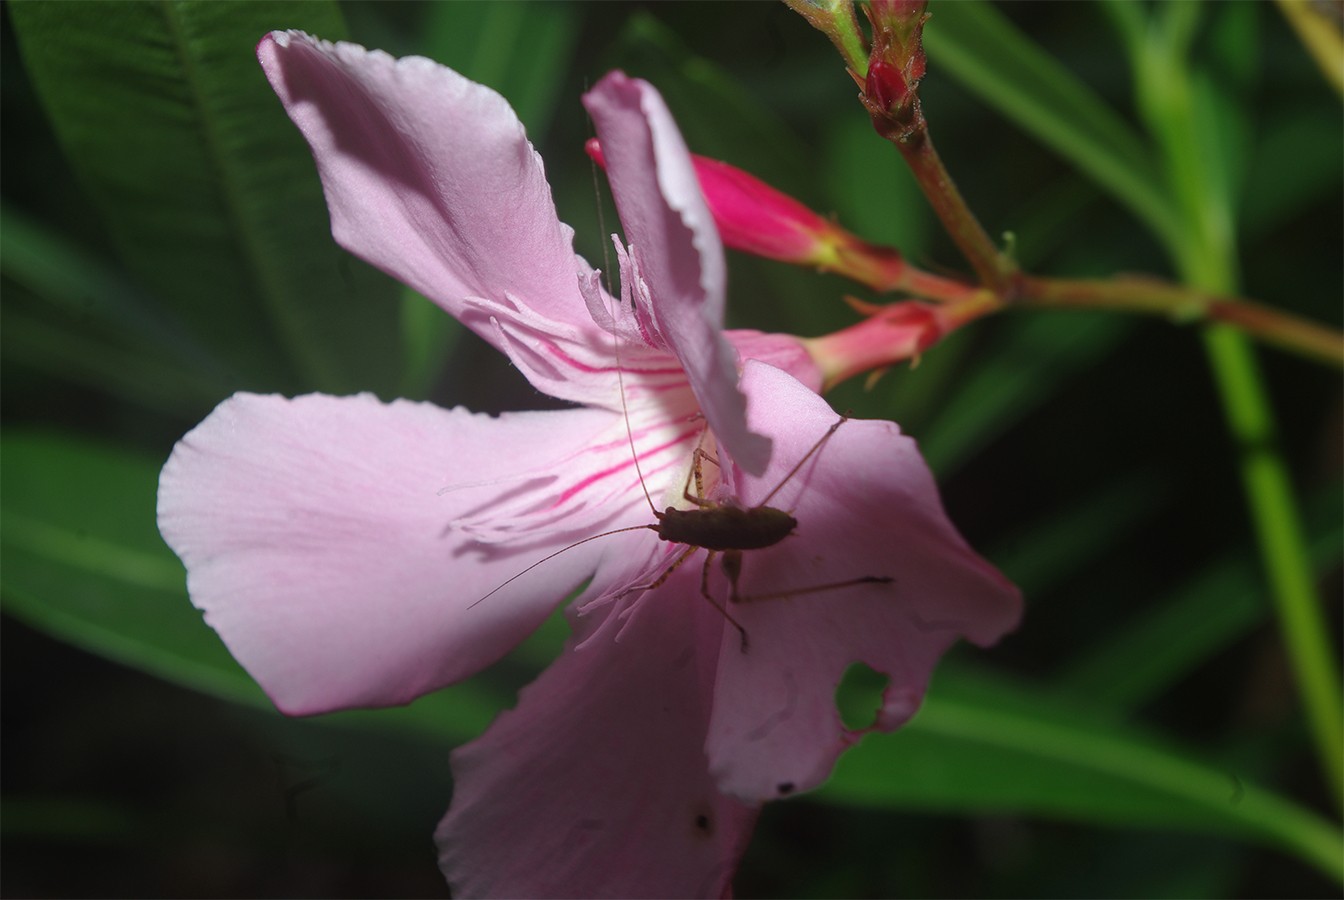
<point>835,426</point>
<point>615,337</point>
<point>554,555</point>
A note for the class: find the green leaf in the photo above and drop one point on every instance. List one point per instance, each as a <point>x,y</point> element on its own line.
<point>977,45</point>
<point>876,197</point>
<point>980,745</point>
<point>1217,607</point>
<point>209,193</point>
<point>70,316</point>
<point>429,336</point>
<point>81,559</point>
<point>521,49</point>
<point>1298,153</point>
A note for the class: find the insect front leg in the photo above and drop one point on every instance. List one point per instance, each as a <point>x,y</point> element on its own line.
<point>815,588</point>
<point>696,472</point>
<point>666,574</point>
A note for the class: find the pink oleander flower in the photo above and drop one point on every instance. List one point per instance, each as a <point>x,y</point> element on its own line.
<point>340,545</point>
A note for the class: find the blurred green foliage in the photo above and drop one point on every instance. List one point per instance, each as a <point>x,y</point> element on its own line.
<point>165,244</point>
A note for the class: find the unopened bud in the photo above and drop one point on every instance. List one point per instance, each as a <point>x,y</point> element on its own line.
<point>756,218</point>
<point>899,332</point>
<point>895,66</point>
<point>893,333</point>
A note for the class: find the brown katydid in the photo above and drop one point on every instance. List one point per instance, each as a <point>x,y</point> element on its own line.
<point>720,527</point>
<point>728,528</point>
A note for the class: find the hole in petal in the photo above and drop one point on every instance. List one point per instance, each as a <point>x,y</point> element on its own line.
<point>859,696</point>
<point>785,787</point>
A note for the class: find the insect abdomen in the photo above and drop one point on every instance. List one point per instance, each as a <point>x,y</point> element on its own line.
<point>726,527</point>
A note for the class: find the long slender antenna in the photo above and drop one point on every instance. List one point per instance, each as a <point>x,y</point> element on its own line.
<point>806,456</point>
<point>554,555</point>
<point>615,337</point>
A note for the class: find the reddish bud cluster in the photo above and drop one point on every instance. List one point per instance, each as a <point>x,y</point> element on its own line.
<point>895,67</point>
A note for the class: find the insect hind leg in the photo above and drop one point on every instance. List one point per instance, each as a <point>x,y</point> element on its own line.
<point>815,588</point>
<point>704,585</point>
<point>704,588</point>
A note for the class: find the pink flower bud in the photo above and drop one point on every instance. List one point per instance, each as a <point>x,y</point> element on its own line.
<point>892,333</point>
<point>899,332</point>
<point>755,218</point>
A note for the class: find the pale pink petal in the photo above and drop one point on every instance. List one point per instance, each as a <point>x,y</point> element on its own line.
<point>429,177</point>
<point>677,248</point>
<point>338,544</point>
<point>783,351</point>
<point>596,785</point>
<point>866,505</point>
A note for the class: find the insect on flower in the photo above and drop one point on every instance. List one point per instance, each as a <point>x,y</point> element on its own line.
<point>723,528</point>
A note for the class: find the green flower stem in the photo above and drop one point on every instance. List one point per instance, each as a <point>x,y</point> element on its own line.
<point>1143,295</point>
<point>916,146</point>
<point>1320,33</point>
<point>1279,531</point>
<point>1206,258</point>
<point>836,20</point>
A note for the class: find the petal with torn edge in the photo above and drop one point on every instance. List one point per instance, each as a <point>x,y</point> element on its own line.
<point>866,506</point>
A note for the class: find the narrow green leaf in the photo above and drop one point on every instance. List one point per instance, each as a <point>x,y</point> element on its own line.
<point>1298,153</point>
<point>62,353</point>
<point>429,336</point>
<point>208,191</point>
<point>979,47</point>
<point>876,197</point>
<point>1219,606</point>
<point>979,744</point>
<point>72,317</point>
<point>83,560</point>
<point>521,49</point>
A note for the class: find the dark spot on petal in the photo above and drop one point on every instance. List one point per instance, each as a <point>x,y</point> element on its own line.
<point>703,821</point>
<point>785,787</point>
